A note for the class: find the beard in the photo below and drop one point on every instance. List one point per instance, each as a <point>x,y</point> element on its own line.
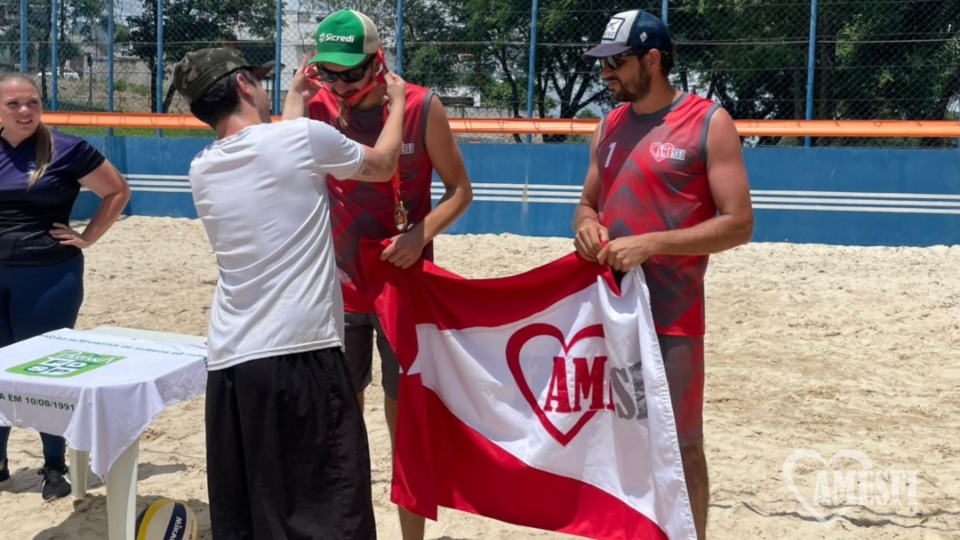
<point>633,89</point>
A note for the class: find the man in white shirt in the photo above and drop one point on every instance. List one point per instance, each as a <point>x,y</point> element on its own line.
<point>287,454</point>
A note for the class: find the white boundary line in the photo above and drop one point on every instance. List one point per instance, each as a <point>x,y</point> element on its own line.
<point>820,201</point>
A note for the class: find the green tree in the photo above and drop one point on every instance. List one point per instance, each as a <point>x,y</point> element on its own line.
<point>38,36</point>
<point>78,16</point>
<point>194,24</point>
<point>383,13</point>
<point>892,61</point>
<point>38,39</point>
<point>484,45</point>
<point>749,56</point>
<point>874,60</point>
<point>39,54</point>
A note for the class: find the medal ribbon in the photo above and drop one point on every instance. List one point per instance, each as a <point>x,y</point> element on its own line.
<point>399,213</point>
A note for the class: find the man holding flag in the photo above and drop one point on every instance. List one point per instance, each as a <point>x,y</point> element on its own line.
<point>569,397</point>
<point>350,63</point>
<point>666,187</point>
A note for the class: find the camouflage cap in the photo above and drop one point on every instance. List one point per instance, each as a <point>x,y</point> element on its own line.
<point>201,69</point>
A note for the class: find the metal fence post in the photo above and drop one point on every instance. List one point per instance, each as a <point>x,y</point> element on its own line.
<point>159,61</point>
<point>23,36</point>
<point>400,38</point>
<point>811,60</point>
<point>277,63</point>
<point>54,8</point>
<point>664,10</point>
<point>533,61</point>
<point>110,33</point>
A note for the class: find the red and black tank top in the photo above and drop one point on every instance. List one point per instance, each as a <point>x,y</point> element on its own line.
<point>366,210</point>
<point>653,178</point>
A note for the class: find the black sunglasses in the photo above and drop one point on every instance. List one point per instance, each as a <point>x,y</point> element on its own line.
<point>349,76</point>
<point>614,62</point>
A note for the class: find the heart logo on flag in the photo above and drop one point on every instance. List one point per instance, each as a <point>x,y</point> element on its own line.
<point>661,151</point>
<point>802,453</point>
<point>516,343</point>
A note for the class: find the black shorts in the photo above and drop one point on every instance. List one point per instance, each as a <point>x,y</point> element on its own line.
<point>359,353</point>
<point>287,454</point>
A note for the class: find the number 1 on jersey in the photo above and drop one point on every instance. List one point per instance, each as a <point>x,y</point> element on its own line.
<point>610,154</point>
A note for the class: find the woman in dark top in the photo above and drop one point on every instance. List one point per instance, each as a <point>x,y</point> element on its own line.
<point>41,259</point>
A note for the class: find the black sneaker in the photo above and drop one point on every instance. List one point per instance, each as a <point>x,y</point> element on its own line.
<point>4,474</point>
<point>54,484</point>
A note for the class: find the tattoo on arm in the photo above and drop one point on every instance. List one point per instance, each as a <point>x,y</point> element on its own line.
<point>367,171</point>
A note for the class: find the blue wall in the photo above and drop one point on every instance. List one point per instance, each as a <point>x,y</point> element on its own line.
<point>801,195</point>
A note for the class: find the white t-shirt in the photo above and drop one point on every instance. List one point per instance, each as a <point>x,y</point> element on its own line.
<point>262,198</point>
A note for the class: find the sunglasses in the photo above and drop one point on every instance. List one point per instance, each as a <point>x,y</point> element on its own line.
<point>614,62</point>
<point>349,76</point>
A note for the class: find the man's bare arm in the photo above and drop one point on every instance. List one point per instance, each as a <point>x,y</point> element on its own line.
<point>730,188</point>
<point>447,160</point>
<point>590,235</point>
<point>587,208</point>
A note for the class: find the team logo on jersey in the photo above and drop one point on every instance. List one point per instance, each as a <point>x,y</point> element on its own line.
<point>407,148</point>
<point>662,151</point>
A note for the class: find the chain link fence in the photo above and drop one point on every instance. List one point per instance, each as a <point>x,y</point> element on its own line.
<point>761,59</point>
<point>477,55</point>
<point>888,59</point>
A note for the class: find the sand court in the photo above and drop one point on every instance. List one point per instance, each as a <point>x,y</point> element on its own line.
<point>809,347</point>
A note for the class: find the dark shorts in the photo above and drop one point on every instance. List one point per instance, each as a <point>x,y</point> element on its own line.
<point>359,353</point>
<point>287,454</point>
<point>683,363</point>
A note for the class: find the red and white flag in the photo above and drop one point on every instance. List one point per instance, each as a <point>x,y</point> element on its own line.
<point>538,399</point>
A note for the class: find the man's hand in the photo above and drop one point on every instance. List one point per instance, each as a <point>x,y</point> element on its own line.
<point>302,83</point>
<point>405,249</point>
<point>627,252</point>
<point>396,89</point>
<point>591,236</point>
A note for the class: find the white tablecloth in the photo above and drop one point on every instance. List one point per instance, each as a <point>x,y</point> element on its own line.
<point>99,391</point>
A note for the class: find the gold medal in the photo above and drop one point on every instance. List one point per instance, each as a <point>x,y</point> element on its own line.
<point>400,217</point>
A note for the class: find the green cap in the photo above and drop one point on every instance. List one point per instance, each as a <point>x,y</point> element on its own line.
<point>346,38</point>
<point>201,69</point>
